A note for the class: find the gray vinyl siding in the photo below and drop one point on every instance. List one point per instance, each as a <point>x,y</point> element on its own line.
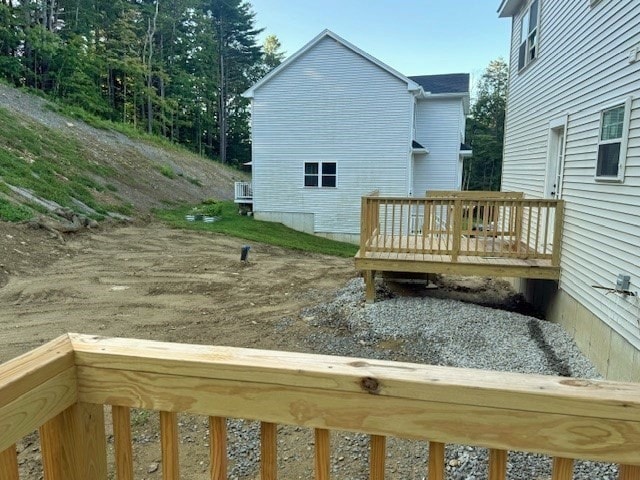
<point>330,105</point>
<point>582,67</point>
<point>438,125</point>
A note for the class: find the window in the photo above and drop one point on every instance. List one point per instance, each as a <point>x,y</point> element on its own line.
<point>612,142</point>
<point>320,174</point>
<point>528,35</point>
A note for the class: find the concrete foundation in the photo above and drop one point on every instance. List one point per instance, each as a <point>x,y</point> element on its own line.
<point>613,356</point>
<point>304,222</point>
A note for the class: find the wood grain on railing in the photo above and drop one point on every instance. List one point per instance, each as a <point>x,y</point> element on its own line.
<point>322,454</point>
<point>169,445</point>
<point>122,442</point>
<point>9,464</point>
<point>34,388</point>
<point>377,457</point>
<point>562,469</point>
<point>497,464</point>
<point>629,472</point>
<point>73,444</point>
<point>499,410</point>
<point>268,451</point>
<point>436,461</point>
<point>218,447</point>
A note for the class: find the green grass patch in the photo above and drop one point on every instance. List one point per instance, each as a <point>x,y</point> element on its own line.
<point>167,171</point>
<point>249,228</point>
<point>12,212</point>
<point>48,163</point>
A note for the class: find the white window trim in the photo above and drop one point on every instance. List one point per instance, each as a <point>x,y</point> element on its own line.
<point>320,163</point>
<point>622,160</point>
<point>527,61</point>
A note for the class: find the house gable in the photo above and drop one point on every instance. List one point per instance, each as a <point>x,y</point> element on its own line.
<point>411,85</point>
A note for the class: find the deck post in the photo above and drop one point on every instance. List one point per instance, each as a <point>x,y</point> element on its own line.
<point>370,286</point>
<point>457,229</point>
<point>557,233</point>
<point>74,445</point>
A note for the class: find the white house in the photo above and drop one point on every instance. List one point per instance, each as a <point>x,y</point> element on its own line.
<point>333,123</point>
<point>573,132</point>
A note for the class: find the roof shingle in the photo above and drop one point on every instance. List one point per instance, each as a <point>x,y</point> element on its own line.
<point>447,83</point>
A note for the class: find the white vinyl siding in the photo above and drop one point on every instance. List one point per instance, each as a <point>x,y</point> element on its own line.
<point>330,105</point>
<point>438,126</point>
<point>584,69</point>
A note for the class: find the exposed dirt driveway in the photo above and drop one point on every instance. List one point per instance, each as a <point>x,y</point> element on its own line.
<point>157,283</point>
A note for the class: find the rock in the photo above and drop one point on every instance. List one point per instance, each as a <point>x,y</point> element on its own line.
<point>153,467</point>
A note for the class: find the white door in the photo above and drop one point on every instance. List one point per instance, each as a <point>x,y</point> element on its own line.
<point>553,185</point>
<point>555,161</point>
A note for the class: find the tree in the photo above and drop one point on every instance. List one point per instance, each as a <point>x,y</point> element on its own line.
<point>485,129</point>
<point>272,54</point>
<point>237,54</point>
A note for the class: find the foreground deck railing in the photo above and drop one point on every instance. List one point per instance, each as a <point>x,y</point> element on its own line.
<point>462,226</point>
<point>61,388</point>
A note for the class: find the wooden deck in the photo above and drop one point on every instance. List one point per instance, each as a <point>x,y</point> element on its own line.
<point>61,389</point>
<point>488,234</point>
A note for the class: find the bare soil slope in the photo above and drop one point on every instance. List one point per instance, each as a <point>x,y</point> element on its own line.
<point>156,283</point>
<point>137,163</point>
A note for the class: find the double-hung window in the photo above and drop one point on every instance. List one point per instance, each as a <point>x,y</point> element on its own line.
<point>320,174</point>
<point>612,142</point>
<point>529,35</point>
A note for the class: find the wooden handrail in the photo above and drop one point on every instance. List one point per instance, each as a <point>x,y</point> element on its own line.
<point>503,227</point>
<point>558,416</point>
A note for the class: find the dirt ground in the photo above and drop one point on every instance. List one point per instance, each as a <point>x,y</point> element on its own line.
<point>149,281</point>
<point>157,283</point>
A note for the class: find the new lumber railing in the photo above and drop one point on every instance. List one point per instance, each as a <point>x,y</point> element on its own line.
<point>61,387</point>
<point>476,224</point>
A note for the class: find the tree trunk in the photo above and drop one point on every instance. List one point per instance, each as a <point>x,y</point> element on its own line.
<point>151,31</point>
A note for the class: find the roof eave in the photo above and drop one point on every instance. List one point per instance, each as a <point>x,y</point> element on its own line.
<point>508,8</point>
<point>412,86</point>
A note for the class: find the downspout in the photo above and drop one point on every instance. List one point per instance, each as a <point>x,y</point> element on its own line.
<point>412,113</point>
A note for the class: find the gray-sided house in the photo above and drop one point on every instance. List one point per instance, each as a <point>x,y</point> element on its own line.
<point>332,123</point>
<point>573,132</point>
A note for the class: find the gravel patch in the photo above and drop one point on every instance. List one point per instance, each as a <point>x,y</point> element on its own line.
<point>449,333</point>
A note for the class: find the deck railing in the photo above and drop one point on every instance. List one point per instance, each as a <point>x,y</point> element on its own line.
<point>243,192</point>
<point>61,387</point>
<point>454,225</point>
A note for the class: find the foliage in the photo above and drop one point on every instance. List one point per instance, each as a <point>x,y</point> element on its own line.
<point>12,212</point>
<point>485,129</point>
<point>249,228</point>
<point>167,171</point>
<point>46,163</point>
<point>174,68</point>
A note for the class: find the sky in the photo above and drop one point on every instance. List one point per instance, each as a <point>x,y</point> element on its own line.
<point>416,37</point>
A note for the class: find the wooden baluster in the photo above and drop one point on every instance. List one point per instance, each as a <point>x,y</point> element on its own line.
<point>386,222</point>
<point>169,446</point>
<point>562,469</point>
<point>393,223</point>
<point>9,464</point>
<point>457,229</point>
<point>122,442</point>
<point>268,451</point>
<point>74,445</point>
<point>400,225</point>
<point>364,225</point>
<point>528,244</point>
<point>322,456</point>
<point>536,242</point>
<point>218,447</point>
<point>377,457</point>
<point>497,464</point>
<point>629,472</point>
<point>436,461</point>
